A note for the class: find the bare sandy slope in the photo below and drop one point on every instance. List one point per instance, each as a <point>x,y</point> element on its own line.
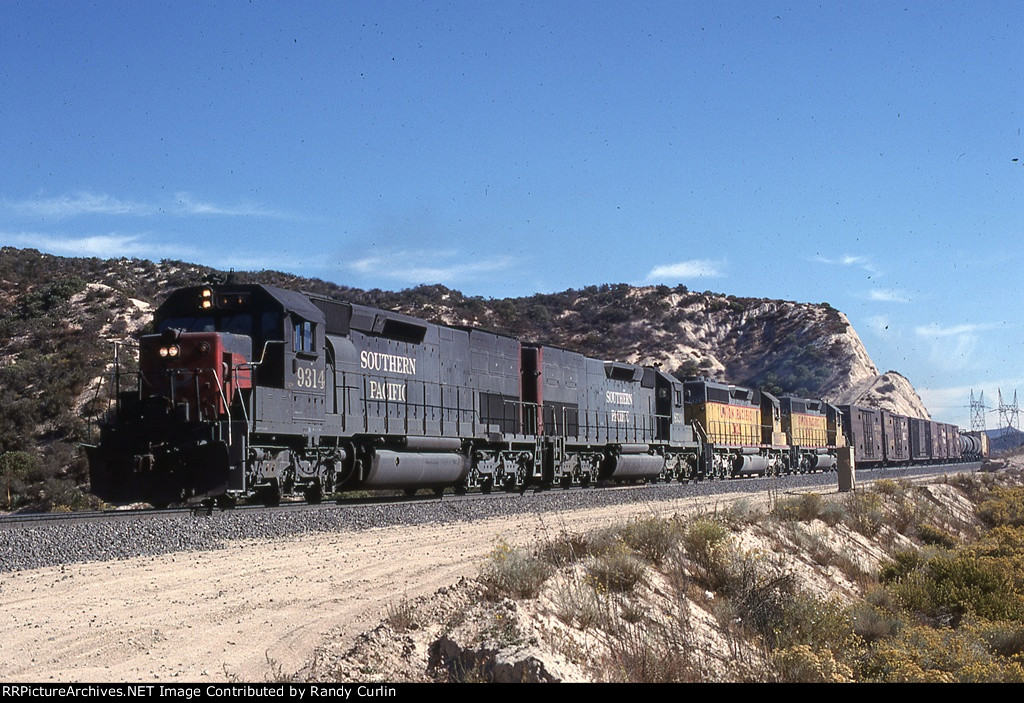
<point>223,615</point>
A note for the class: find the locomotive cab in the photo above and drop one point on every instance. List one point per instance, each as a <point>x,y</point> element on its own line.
<point>182,433</point>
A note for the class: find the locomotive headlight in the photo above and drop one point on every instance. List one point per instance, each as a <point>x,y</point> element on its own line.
<point>203,347</point>
<point>207,293</point>
<point>173,350</point>
<point>206,304</point>
<point>163,351</point>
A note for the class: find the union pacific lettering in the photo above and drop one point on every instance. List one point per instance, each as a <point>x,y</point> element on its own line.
<point>389,363</point>
<point>739,413</point>
<point>810,422</point>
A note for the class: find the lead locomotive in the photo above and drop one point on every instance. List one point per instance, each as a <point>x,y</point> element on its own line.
<point>251,389</point>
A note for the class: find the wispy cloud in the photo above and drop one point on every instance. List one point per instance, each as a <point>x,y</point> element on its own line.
<point>937,331</point>
<point>82,203</point>
<point>425,266</point>
<point>694,268</point>
<point>188,205</point>
<point>182,205</point>
<point>952,347</point>
<point>862,262</point>
<point>103,246</point>
<point>884,295</point>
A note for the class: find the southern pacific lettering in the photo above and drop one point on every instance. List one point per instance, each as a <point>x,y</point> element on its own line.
<point>389,363</point>
<point>387,391</point>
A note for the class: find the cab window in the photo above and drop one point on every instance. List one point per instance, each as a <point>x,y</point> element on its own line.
<point>302,337</point>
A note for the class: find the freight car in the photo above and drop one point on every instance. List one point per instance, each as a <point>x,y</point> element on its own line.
<point>252,390</point>
<point>883,438</point>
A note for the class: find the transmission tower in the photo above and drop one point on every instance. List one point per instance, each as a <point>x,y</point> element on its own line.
<point>1009,414</point>
<point>978,412</point>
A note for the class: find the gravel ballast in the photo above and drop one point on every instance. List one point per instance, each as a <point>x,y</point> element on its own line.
<point>68,542</point>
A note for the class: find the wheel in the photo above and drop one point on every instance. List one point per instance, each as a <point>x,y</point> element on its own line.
<point>313,494</point>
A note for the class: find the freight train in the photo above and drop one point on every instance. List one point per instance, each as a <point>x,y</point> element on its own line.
<point>248,390</point>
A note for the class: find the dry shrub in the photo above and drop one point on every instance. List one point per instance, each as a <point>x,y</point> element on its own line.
<point>652,537</point>
<point>889,487</point>
<point>865,513</point>
<point>511,571</point>
<point>708,544</point>
<point>742,512</point>
<point>617,570</point>
<point>565,549</point>
<point>577,603</point>
<point>651,652</point>
<point>802,664</point>
<point>804,507</point>
<point>401,615</point>
<point>1005,638</point>
<point>872,623</point>
<point>833,512</point>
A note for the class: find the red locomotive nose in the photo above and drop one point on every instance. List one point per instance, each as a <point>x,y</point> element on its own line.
<point>190,368</point>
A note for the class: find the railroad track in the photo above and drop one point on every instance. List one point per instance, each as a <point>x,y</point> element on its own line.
<point>200,510</point>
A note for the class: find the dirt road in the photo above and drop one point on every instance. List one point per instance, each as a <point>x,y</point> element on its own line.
<point>250,610</point>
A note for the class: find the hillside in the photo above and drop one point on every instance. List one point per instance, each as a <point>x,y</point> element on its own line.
<point>903,581</point>
<point>1005,439</point>
<point>59,318</point>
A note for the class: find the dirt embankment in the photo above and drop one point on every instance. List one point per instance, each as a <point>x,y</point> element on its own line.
<point>248,610</point>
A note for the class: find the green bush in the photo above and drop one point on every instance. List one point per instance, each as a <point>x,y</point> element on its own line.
<point>802,664</point>
<point>937,655</point>
<point>16,470</point>
<point>1005,507</point>
<point>930,534</point>
<point>950,585</point>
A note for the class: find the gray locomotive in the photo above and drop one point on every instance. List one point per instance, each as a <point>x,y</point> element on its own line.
<point>251,390</point>
<point>255,390</point>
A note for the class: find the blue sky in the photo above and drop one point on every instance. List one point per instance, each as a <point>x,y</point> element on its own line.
<point>866,154</point>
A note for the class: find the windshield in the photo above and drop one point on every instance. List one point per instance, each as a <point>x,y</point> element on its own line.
<point>233,324</point>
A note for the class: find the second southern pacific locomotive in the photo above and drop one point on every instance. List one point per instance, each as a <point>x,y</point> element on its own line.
<point>254,390</point>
